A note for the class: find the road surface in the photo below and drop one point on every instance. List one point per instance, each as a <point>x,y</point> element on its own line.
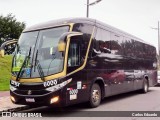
<point>133,101</point>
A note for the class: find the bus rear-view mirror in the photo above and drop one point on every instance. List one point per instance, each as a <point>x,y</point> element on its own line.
<point>61,46</point>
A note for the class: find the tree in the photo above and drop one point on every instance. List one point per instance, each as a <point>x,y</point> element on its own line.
<point>10,28</point>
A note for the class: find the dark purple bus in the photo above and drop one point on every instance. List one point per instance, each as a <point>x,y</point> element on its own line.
<point>70,61</point>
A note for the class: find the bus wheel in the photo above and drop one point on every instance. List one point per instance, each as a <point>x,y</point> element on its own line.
<point>95,96</point>
<point>145,86</point>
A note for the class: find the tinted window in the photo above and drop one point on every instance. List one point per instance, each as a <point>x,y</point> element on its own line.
<point>102,43</point>
<point>138,49</point>
<point>128,46</point>
<point>84,28</point>
<point>74,53</point>
<point>116,44</point>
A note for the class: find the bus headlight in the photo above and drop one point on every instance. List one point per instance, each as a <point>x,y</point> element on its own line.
<point>12,98</point>
<point>54,99</point>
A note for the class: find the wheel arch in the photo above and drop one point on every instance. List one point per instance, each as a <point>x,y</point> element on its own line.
<point>146,77</point>
<point>101,83</point>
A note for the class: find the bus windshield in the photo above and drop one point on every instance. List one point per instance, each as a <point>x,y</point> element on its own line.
<point>37,55</point>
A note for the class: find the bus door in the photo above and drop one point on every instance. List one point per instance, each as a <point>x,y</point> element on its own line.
<point>76,54</point>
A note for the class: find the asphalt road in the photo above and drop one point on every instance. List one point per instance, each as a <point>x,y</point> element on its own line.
<point>133,101</point>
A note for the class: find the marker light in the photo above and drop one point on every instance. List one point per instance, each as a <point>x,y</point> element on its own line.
<point>54,99</point>
<point>12,98</point>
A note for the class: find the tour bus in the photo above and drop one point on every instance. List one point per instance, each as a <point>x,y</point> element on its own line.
<point>7,47</point>
<point>70,61</point>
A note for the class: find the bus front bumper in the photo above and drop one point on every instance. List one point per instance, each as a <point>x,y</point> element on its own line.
<point>50,99</point>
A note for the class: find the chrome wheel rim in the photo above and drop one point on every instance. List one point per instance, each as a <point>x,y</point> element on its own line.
<point>95,96</point>
<point>145,87</point>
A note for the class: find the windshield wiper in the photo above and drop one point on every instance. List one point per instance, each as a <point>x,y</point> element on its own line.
<point>23,64</point>
<point>40,71</point>
<point>39,67</point>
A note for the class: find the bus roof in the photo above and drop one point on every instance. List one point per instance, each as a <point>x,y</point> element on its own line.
<point>58,22</point>
<point>66,21</point>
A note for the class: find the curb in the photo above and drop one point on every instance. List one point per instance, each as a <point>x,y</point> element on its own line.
<point>14,109</point>
<point>7,106</point>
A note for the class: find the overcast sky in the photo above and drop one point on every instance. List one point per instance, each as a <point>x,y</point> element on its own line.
<point>133,16</point>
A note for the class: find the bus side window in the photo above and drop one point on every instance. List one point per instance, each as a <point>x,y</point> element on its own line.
<point>102,41</point>
<point>74,53</point>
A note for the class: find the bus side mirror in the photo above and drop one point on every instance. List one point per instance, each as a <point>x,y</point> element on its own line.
<point>2,53</point>
<point>61,46</point>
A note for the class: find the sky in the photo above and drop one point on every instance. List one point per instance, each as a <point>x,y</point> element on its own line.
<point>136,17</point>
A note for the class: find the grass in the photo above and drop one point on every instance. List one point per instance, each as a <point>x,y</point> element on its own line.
<point>5,72</point>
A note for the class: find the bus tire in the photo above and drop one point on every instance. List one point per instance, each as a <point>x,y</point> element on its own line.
<point>95,96</point>
<point>145,86</point>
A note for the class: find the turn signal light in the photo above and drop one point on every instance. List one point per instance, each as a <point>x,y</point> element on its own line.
<point>54,99</point>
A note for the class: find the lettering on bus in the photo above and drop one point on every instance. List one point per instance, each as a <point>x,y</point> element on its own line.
<point>16,84</point>
<point>73,94</point>
<point>50,83</point>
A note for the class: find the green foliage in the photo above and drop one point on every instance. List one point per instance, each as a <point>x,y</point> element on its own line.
<point>10,28</point>
<point>5,72</point>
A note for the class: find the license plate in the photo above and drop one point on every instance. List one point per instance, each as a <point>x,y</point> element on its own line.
<point>30,100</point>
